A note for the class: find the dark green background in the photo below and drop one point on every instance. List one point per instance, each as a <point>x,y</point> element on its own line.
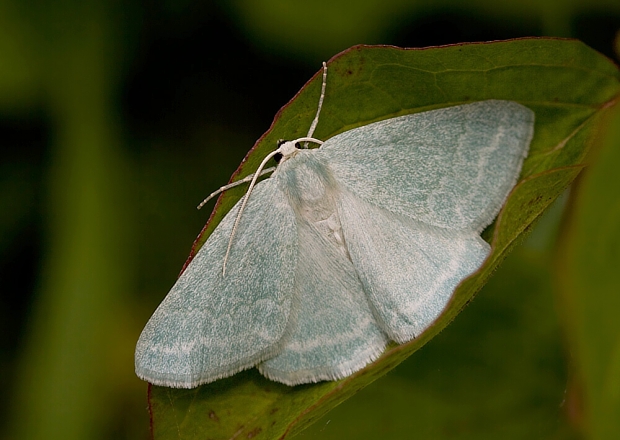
<point>117,118</point>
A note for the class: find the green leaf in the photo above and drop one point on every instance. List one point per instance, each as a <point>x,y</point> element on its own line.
<point>590,286</point>
<point>566,83</point>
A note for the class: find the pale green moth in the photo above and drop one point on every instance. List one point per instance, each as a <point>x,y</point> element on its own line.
<point>344,248</point>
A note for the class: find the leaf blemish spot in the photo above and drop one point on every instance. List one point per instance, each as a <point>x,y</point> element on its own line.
<point>253,433</point>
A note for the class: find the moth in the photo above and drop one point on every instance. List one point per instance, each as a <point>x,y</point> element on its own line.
<point>344,248</point>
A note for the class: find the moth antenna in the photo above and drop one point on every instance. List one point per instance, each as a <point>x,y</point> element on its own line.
<point>232,185</point>
<point>315,122</point>
<point>255,177</point>
<point>320,106</point>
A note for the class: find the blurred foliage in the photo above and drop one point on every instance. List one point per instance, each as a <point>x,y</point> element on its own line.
<point>331,26</point>
<point>589,283</point>
<point>117,118</point>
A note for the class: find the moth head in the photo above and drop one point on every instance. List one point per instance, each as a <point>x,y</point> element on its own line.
<point>286,149</point>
